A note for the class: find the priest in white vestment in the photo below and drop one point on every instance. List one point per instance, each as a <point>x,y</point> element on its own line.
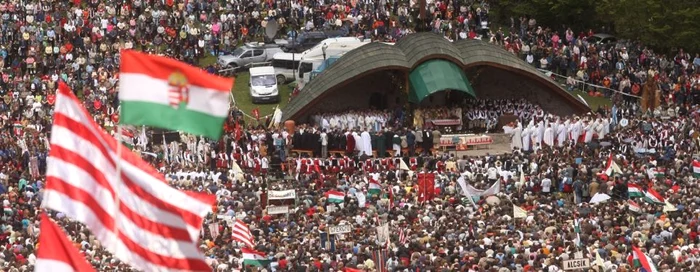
<point>526,137</point>
<point>549,135</point>
<point>540,133</point>
<point>366,143</point>
<point>589,130</point>
<point>576,130</point>
<point>517,140</point>
<point>562,130</point>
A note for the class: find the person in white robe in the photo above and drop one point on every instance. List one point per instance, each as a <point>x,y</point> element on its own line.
<point>589,130</point>
<point>603,127</point>
<point>548,137</point>
<point>562,130</point>
<point>366,144</point>
<point>576,129</point>
<point>517,141</point>
<point>540,132</point>
<point>526,138</point>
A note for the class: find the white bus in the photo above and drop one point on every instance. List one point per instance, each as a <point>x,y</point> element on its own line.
<point>285,65</point>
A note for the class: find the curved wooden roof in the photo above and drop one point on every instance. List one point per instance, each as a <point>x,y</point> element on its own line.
<point>408,53</point>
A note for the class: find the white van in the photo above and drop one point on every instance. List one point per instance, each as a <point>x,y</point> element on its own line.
<point>263,85</point>
<point>285,65</point>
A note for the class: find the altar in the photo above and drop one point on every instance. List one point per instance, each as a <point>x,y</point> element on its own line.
<point>464,141</point>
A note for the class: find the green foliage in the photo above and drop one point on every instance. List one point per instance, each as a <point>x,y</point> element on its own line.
<point>552,13</point>
<point>662,25</point>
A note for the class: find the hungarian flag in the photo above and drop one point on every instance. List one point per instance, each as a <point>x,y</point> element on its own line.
<point>696,169</point>
<point>165,93</point>
<point>254,258</point>
<point>126,137</point>
<point>334,196</point>
<point>374,187</point>
<point>653,196</point>
<point>642,260</point>
<point>611,167</point>
<point>656,172</point>
<point>633,206</point>
<point>633,190</point>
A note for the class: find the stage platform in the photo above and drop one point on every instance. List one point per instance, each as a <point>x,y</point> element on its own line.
<point>500,146</point>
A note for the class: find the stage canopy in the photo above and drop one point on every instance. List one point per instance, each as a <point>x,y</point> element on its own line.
<point>437,75</point>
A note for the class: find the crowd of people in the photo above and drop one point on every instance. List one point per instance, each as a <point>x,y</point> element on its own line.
<point>556,167</point>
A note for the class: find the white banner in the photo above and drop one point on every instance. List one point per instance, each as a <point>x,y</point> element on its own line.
<point>493,190</point>
<point>339,229</point>
<point>277,195</point>
<point>277,209</point>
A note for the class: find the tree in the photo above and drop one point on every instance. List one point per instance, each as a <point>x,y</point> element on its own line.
<point>661,25</point>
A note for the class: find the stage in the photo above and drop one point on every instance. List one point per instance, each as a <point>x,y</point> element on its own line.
<point>500,145</point>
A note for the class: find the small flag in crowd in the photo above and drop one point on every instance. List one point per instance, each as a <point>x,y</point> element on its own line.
<point>519,212</point>
<point>599,260</point>
<point>696,169</point>
<point>633,206</point>
<point>163,92</point>
<point>374,187</point>
<point>256,113</point>
<point>126,137</point>
<point>656,172</point>
<point>214,229</point>
<point>403,235</point>
<point>334,196</point>
<point>83,170</point>
<point>241,233</point>
<point>668,207</point>
<point>642,260</point>
<point>380,257</point>
<point>254,258</point>
<point>654,197</point>
<point>633,190</point>
<point>56,253</point>
<point>612,167</point>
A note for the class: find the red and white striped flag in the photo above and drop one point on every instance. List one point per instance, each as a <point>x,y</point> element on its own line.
<point>56,253</point>
<point>241,233</point>
<point>403,235</point>
<point>122,199</point>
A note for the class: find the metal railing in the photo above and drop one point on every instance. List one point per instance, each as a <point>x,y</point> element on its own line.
<point>232,71</point>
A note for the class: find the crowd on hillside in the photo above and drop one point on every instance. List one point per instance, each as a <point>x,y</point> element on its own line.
<point>420,228</point>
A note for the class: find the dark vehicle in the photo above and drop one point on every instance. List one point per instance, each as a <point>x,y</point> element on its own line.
<point>308,39</point>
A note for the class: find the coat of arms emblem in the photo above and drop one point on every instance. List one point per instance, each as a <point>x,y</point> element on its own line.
<point>179,92</point>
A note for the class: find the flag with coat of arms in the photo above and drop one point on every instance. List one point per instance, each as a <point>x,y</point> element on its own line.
<point>166,93</point>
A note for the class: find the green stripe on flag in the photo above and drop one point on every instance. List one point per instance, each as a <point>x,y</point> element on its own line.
<point>254,262</point>
<point>165,116</point>
<point>635,194</point>
<point>374,191</point>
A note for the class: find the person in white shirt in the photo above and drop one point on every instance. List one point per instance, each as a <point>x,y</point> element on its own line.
<point>546,185</point>
<point>324,143</point>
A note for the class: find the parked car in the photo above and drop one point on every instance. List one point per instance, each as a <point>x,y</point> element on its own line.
<point>308,39</point>
<point>249,53</point>
<point>601,39</point>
